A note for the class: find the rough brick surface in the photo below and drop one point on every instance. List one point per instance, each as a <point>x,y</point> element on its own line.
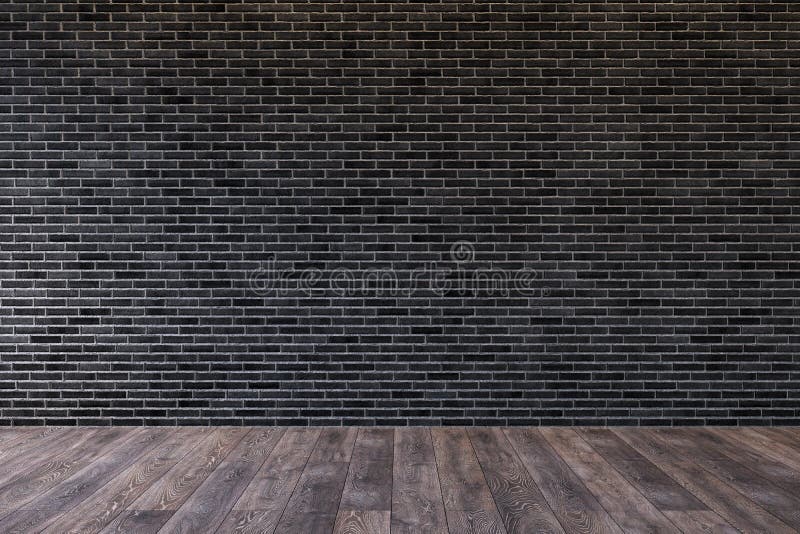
<point>640,158</point>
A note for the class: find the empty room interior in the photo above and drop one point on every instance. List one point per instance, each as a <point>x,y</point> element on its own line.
<point>399,266</point>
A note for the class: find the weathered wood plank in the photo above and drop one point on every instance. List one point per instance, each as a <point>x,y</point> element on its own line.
<point>362,522</point>
<point>690,521</point>
<point>149,512</point>
<point>658,487</point>
<point>13,439</point>
<point>25,442</point>
<point>519,500</point>
<point>751,479</point>
<point>731,505</point>
<point>207,507</point>
<point>760,443</point>
<point>572,503</point>
<point>781,471</point>
<point>93,514</point>
<point>182,480</point>
<point>75,489</point>
<point>629,508</point>
<point>314,504</point>
<point>417,505</point>
<point>368,486</point>
<point>468,502</point>
<point>32,451</point>
<point>369,478</point>
<point>262,503</point>
<point>51,470</point>
<point>787,436</point>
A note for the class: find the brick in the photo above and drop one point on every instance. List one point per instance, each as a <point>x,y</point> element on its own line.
<point>639,159</point>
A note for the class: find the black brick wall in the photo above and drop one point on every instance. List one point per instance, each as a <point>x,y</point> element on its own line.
<point>163,163</point>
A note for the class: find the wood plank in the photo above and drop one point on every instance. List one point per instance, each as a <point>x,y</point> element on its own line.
<point>22,442</point>
<point>731,505</point>
<point>786,436</point>
<point>781,470</point>
<point>69,493</point>
<point>32,451</point>
<point>101,508</point>
<point>156,505</point>
<point>11,436</point>
<point>758,442</point>
<point>369,478</point>
<point>417,505</point>
<point>334,445</point>
<point>775,471</point>
<point>262,503</point>
<point>468,502</point>
<point>645,476</point>
<point>690,521</point>
<point>572,503</point>
<point>182,480</point>
<point>474,522</point>
<point>629,508</point>
<point>368,486</point>
<point>51,470</point>
<point>207,507</point>
<point>680,506</point>
<point>362,522</point>
<point>315,501</point>
<point>519,500</point>
<point>139,521</point>
<point>751,479</point>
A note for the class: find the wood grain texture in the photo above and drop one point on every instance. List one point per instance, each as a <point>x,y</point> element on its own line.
<point>315,502</point>
<point>362,522</point>
<point>402,481</point>
<point>262,503</point>
<point>93,514</point>
<point>786,436</point>
<point>761,443</point>
<point>417,505</point>
<point>519,500</point>
<point>572,503</point>
<point>641,473</point>
<point>187,475</point>
<point>9,435</point>
<point>78,487</point>
<point>775,470</point>
<point>155,506</point>
<point>369,478</point>
<point>139,521</point>
<point>47,472</point>
<point>680,506</point>
<point>207,507</point>
<point>468,502</point>
<point>20,440</point>
<point>32,451</point>
<point>44,475</point>
<point>751,479</point>
<point>334,445</point>
<point>629,508</point>
<point>366,502</point>
<point>734,507</point>
<point>691,521</point>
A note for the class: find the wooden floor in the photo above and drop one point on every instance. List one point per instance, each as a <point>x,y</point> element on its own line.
<point>404,480</point>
